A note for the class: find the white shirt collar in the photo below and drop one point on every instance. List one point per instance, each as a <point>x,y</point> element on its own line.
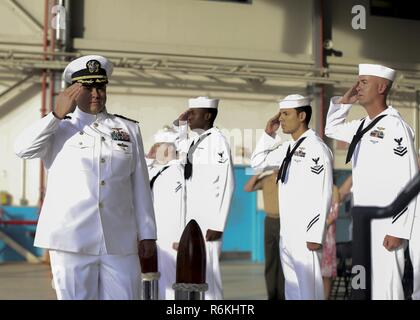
<point>88,118</point>
<point>307,133</point>
<point>388,111</point>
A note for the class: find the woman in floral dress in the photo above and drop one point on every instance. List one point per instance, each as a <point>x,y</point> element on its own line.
<point>329,254</point>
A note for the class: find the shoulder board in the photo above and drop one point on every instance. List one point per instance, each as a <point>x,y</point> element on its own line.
<point>120,116</point>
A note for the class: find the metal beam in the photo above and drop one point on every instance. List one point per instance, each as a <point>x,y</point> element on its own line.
<point>14,91</point>
<point>184,68</point>
<point>15,86</point>
<point>22,12</point>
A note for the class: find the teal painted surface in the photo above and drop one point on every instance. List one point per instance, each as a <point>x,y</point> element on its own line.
<point>258,249</point>
<point>343,230</point>
<point>22,234</point>
<point>244,226</point>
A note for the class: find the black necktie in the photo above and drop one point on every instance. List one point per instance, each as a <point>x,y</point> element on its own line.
<point>359,134</point>
<point>188,165</point>
<point>152,182</point>
<point>286,161</point>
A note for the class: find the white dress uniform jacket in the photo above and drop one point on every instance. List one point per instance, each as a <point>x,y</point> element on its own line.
<point>168,200</point>
<point>209,193</point>
<point>305,202</point>
<point>98,198</point>
<point>383,162</point>
<point>212,182</point>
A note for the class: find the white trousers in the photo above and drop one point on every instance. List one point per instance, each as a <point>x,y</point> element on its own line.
<point>302,271</point>
<point>88,277</point>
<point>167,269</point>
<point>387,266</point>
<point>414,248</point>
<point>213,275</point>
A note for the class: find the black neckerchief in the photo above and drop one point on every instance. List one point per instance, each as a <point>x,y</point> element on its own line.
<point>286,161</point>
<point>193,146</point>
<point>359,134</point>
<point>152,181</point>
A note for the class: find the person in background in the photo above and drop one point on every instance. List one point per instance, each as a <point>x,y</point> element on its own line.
<point>167,185</point>
<point>273,272</point>
<point>329,252</point>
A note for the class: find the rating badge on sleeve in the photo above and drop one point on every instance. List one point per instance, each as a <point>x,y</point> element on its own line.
<point>222,158</point>
<point>317,169</point>
<point>400,150</point>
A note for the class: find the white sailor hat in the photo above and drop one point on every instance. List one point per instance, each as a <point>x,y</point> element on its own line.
<point>366,69</point>
<point>166,135</point>
<point>88,70</point>
<point>203,102</point>
<point>294,101</point>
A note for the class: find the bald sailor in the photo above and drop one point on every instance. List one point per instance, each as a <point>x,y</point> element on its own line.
<point>167,185</point>
<point>305,185</point>
<point>383,161</point>
<point>97,216</point>
<point>208,174</point>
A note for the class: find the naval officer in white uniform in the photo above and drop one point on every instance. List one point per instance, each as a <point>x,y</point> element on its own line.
<point>167,184</point>
<point>209,179</point>
<point>383,162</point>
<point>305,186</point>
<point>97,216</point>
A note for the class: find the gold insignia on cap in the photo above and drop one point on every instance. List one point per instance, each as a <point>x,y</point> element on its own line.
<point>93,66</point>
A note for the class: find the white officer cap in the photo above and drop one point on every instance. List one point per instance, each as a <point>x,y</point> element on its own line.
<point>294,101</point>
<point>166,135</point>
<point>203,102</point>
<point>88,70</point>
<point>377,70</point>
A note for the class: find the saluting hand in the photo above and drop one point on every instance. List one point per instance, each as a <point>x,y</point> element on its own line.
<point>66,100</point>
<point>350,96</point>
<point>152,151</point>
<point>273,125</point>
<point>183,117</point>
<point>391,243</point>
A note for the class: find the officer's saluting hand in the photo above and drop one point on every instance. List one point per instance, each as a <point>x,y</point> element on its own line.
<point>66,100</point>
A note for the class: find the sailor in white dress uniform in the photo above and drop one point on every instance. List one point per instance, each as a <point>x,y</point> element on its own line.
<point>305,186</point>
<point>383,162</point>
<point>167,184</point>
<point>209,180</point>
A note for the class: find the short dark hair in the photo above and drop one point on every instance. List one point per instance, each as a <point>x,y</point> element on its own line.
<point>308,111</point>
<point>213,112</point>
